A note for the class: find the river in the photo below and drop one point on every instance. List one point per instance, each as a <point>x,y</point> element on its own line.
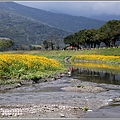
<point>100,104</point>
<point>103,78</point>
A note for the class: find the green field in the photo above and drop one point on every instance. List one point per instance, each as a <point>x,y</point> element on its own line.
<point>59,56</point>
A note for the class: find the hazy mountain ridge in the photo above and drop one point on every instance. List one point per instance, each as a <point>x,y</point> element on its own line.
<point>24,30</point>
<point>61,21</point>
<point>29,26</point>
<point>106,17</point>
<point>101,17</point>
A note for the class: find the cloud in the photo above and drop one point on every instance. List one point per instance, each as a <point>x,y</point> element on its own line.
<point>107,7</point>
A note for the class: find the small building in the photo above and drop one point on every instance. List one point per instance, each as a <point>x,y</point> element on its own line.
<point>36,47</point>
<point>71,48</point>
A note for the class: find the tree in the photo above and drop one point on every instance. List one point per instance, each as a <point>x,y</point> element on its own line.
<point>46,44</point>
<point>110,32</point>
<point>51,44</point>
<point>81,38</point>
<point>69,40</point>
<point>76,40</point>
<point>96,38</point>
<point>5,44</point>
<point>87,38</point>
<point>57,47</point>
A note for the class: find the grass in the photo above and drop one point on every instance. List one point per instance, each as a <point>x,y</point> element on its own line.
<point>57,55</point>
<point>62,53</point>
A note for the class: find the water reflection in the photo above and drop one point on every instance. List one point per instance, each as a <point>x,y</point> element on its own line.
<point>97,76</point>
<point>99,67</point>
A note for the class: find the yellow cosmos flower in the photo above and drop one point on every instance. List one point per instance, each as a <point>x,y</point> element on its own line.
<point>25,62</point>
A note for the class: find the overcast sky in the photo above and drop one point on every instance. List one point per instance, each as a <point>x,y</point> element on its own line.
<point>78,8</point>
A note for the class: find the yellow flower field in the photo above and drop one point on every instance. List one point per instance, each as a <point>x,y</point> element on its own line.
<point>12,65</point>
<point>93,57</point>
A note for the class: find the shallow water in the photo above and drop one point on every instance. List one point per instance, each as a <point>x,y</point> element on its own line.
<point>51,92</point>
<point>105,79</point>
<point>96,76</point>
<point>111,111</point>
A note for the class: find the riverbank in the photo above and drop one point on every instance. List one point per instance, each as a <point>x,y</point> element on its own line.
<point>61,56</point>
<point>50,100</point>
<point>21,83</point>
<point>115,60</point>
<point>55,97</point>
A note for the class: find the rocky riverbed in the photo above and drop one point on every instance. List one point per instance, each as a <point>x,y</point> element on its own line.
<point>40,111</point>
<point>64,97</point>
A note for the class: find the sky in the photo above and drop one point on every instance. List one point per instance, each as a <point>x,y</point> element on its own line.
<point>77,8</point>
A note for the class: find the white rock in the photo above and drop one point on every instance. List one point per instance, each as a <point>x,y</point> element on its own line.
<point>89,110</point>
<point>110,100</point>
<point>62,115</point>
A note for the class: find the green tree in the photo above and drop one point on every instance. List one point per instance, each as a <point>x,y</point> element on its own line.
<point>51,44</point>
<point>5,44</point>
<point>69,40</point>
<point>57,47</point>
<point>46,44</point>
<point>81,38</point>
<point>110,32</point>
<point>87,38</point>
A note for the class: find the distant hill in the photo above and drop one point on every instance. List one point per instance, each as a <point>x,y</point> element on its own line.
<point>106,17</point>
<point>61,21</point>
<point>29,25</point>
<point>24,30</point>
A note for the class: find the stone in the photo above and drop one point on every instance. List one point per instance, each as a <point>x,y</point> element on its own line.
<point>62,115</point>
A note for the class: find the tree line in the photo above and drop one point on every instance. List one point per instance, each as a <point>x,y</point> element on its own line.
<point>109,34</point>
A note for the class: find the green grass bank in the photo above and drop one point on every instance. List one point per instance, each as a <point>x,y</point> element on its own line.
<point>60,55</point>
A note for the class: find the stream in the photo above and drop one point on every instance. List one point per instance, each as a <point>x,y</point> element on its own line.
<point>107,80</point>
<point>101,104</point>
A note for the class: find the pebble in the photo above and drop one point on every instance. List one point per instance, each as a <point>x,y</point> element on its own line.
<point>18,85</point>
<point>110,100</point>
<point>62,115</point>
<point>89,110</point>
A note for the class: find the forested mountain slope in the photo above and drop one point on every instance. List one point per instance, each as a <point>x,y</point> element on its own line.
<point>28,25</point>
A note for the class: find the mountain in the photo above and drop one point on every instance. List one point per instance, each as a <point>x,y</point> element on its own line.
<point>106,17</point>
<point>25,30</point>
<point>61,21</point>
<point>28,25</point>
